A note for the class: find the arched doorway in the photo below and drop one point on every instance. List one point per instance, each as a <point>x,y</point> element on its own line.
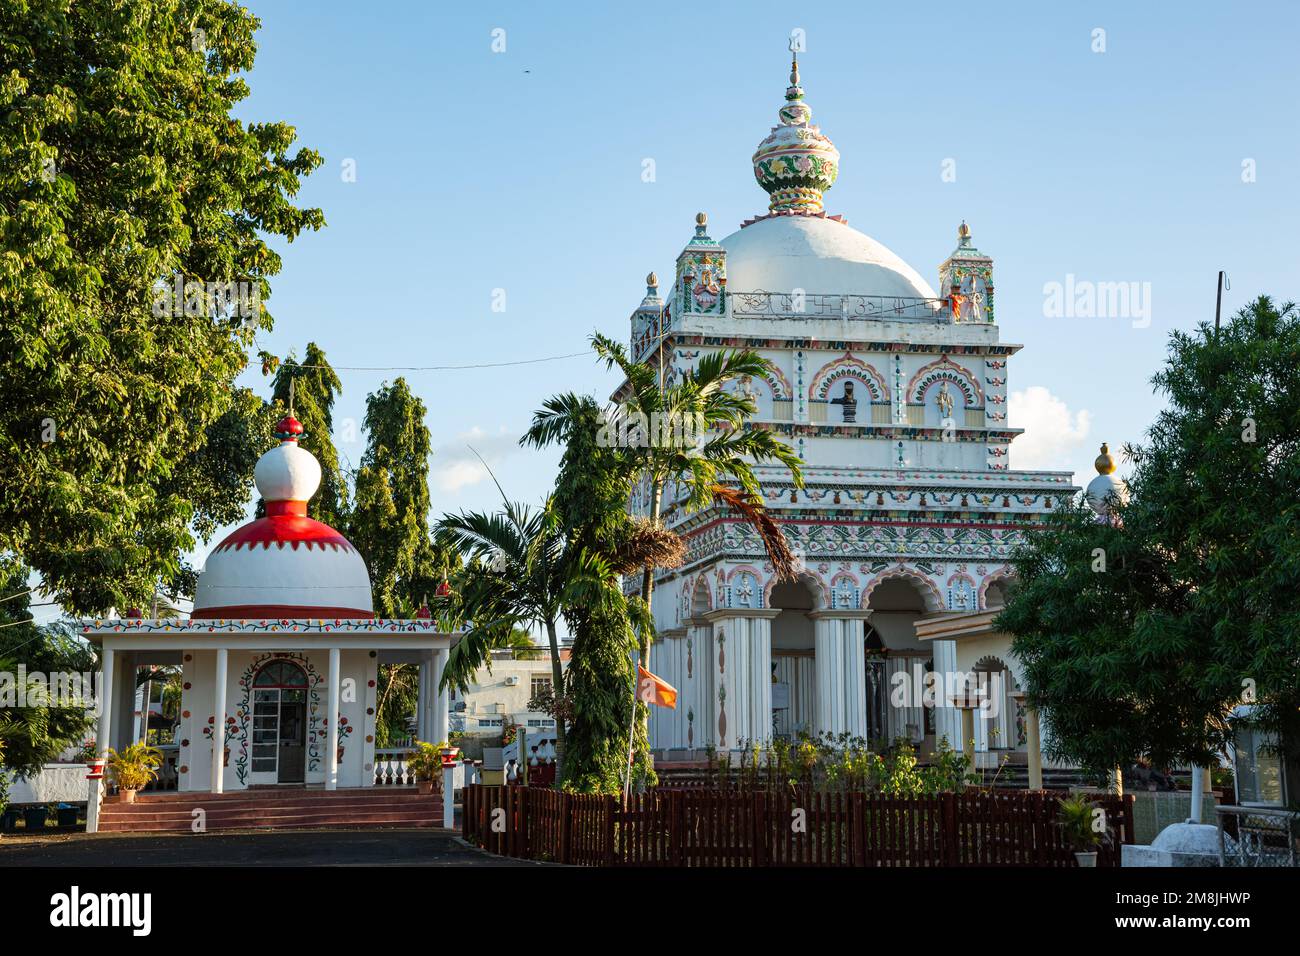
<point>279,723</point>
<point>897,662</point>
<point>794,689</point>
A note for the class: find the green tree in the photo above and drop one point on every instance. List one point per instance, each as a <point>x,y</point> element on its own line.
<point>37,733</point>
<point>1196,607</point>
<point>692,436</point>
<point>590,500</point>
<point>519,575</point>
<point>315,388</point>
<point>390,519</point>
<point>124,170</point>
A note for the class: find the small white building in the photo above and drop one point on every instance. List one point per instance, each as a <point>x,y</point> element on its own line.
<point>280,655</point>
<point>500,694</point>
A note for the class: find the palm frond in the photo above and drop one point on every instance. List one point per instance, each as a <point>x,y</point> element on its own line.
<point>774,542</point>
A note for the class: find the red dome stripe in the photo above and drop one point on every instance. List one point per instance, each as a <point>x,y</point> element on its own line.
<point>285,529</point>
<point>276,509</point>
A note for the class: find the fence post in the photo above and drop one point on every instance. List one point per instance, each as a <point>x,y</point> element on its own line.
<point>566,828</point>
<point>607,830</point>
<point>951,836</point>
<point>758,834</point>
<point>676,836</point>
<point>523,799</point>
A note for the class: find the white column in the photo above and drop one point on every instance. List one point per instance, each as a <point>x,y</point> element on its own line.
<point>332,744</point>
<point>438,697</point>
<point>421,696</point>
<point>103,736</point>
<point>219,721</point>
<point>841,667</point>
<point>742,670</point>
<point>947,719</point>
<point>698,718</point>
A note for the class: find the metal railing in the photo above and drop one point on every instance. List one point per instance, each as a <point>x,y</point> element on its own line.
<point>1258,836</point>
<point>781,305</point>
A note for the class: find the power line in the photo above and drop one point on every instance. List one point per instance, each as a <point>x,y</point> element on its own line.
<point>435,368</point>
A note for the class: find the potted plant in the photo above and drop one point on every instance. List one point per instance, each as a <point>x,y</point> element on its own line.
<point>1076,816</point>
<point>426,764</point>
<point>133,767</point>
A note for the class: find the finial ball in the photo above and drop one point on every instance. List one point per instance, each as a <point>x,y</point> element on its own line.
<point>701,219</point>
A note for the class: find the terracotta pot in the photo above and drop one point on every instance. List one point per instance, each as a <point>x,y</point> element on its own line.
<point>1086,859</point>
<point>126,796</point>
<point>424,786</point>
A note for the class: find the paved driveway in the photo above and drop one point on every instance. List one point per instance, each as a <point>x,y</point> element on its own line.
<point>369,847</point>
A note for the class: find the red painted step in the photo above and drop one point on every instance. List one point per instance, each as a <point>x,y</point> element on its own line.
<point>275,808</point>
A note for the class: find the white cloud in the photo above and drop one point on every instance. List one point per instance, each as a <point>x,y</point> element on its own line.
<point>1052,432</point>
<point>456,467</point>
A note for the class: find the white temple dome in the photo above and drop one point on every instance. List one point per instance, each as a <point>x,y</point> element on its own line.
<point>1106,483</point>
<point>818,255</point>
<point>285,565</point>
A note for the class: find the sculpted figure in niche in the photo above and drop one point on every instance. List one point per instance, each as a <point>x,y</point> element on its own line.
<point>848,403</point>
<point>944,398</point>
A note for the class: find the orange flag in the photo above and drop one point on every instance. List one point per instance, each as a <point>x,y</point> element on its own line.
<point>654,690</point>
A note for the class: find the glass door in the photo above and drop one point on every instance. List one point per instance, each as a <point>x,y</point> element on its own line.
<point>279,724</point>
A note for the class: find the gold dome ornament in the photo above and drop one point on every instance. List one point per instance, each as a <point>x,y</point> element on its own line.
<point>1105,462</point>
<point>1106,486</point>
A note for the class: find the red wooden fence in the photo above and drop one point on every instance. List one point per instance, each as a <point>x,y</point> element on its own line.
<point>697,827</point>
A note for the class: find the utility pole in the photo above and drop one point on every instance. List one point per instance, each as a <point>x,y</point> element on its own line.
<point>1218,300</point>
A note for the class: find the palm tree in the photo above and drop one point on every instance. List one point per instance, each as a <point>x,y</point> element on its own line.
<point>518,576</point>
<point>691,434</point>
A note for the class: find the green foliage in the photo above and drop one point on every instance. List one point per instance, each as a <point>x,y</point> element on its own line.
<point>1076,816</point>
<point>390,520</point>
<point>398,692</point>
<point>134,765</point>
<point>315,388</point>
<point>38,733</point>
<point>122,168</point>
<point>842,762</point>
<point>590,501</point>
<point>426,762</point>
<point>1197,603</point>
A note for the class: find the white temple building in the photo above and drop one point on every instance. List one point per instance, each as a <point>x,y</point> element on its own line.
<point>894,395</point>
<point>280,655</point>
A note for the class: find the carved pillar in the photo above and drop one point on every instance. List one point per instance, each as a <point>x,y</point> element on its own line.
<point>698,721</point>
<point>741,709</point>
<point>841,666</point>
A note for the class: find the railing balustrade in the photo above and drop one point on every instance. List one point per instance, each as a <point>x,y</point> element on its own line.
<point>392,768</point>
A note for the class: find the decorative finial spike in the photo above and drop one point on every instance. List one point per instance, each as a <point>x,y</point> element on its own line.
<point>291,414</point>
<point>652,281</point>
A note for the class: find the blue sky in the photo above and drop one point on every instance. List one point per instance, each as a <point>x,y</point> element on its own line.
<point>522,171</point>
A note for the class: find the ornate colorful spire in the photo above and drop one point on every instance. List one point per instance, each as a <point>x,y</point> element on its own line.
<point>796,163</point>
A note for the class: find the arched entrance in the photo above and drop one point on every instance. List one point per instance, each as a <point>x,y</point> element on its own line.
<point>279,723</point>
<point>896,661</point>
<point>794,705</point>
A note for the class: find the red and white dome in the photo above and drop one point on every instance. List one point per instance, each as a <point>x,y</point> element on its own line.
<point>285,565</point>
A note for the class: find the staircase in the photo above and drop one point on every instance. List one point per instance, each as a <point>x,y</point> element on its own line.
<point>274,808</point>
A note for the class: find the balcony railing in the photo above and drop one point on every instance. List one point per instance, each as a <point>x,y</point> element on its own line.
<point>781,305</point>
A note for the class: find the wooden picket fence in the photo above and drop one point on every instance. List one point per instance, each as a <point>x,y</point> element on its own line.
<point>695,827</point>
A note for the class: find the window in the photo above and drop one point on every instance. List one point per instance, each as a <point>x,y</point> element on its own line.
<point>1258,767</point>
<point>540,723</point>
<point>490,722</point>
<point>541,685</point>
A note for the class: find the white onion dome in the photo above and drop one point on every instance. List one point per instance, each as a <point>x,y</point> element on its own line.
<point>796,163</point>
<point>1106,483</point>
<point>819,255</point>
<point>285,565</point>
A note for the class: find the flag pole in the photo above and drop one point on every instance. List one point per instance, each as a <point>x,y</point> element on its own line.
<point>631,735</point>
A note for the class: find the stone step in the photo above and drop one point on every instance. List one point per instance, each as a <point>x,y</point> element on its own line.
<point>298,823</point>
<point>212,802</point>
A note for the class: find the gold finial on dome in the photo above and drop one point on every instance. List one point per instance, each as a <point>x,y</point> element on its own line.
<point>1105,462</point>
<point>701,219</point>
<point>963,231</point>
<point>652,280</point>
